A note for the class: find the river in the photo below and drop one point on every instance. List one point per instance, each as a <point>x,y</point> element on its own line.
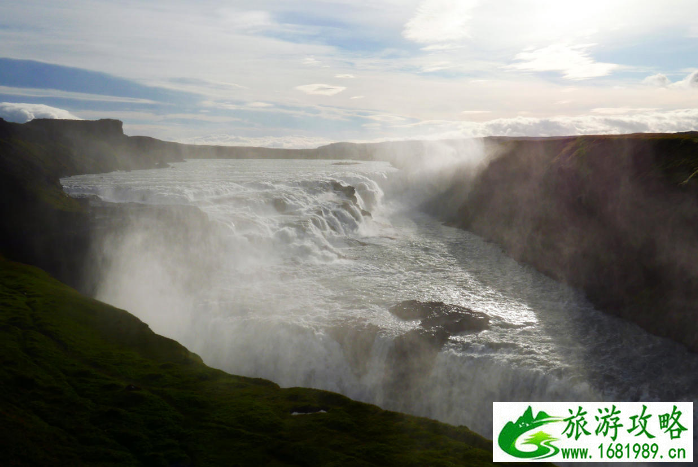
<point>309,257</point>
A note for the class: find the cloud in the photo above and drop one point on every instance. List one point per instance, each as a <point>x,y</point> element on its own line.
<point>205,83</point>
<point>658,80</point>
<point>647,122</point>
<point>386,118</point>
<point>442,47</point>
<point>190,118</point>
<point>438,66</point>
<point>473,112</point>
<point>438,21</point>
<point>690,81</point>
<point>246,57</point>
<point>80,96</point>
<point>21,113</point>
<point>321,89</point>
<point>285,142</point>
<point>259,105</point>
<point>345,76</point>
<point>311,61</point>
<point>600,124</point>
<point>247,21</point>
<point>357,97</point>
<point>620,110</point>
<point>574,62</point>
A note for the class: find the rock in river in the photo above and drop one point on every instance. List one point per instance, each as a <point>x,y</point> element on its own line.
<point>439,316</point>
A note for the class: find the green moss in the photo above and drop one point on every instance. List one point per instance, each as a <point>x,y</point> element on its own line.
<point>85,383</point>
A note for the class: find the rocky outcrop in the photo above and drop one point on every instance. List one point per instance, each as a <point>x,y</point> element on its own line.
<point>411,358</point>
<point>441,317</point>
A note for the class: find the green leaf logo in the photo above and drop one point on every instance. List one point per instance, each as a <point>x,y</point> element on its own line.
<point>512,431</point>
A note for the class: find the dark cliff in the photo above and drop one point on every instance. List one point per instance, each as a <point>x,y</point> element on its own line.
<point>615,216</point>
<point>44,227</point>
<point>41,225</point>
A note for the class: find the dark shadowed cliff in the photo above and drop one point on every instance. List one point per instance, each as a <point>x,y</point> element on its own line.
<point>41,225</point>
<point>615,216</point>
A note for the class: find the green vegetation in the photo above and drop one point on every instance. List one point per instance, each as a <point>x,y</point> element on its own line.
<point>86,383</point>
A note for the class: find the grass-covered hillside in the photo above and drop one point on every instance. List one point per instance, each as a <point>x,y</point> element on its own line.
<point>83,383</point>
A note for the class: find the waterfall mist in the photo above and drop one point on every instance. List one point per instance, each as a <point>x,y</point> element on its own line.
<point>287,269</point>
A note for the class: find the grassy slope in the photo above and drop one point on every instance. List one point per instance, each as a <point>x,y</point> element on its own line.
<point>85,383</point>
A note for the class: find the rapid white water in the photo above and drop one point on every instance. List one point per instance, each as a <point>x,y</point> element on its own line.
<point>305,269</point>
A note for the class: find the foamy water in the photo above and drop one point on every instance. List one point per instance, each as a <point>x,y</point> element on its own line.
<point>304,261</point>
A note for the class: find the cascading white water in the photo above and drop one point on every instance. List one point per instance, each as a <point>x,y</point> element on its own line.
<point>309,257</point>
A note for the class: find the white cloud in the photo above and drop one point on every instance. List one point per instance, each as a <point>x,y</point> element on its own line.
<point>201,116</point>
<point>690,81</point>
<point>260,105</point>
<point>442,47</point>
<point>286,142</point>
<point>619,110</point>
<point>386,118</point>
<point>438,66</point>
<point>357,97</point>
<point>574,62</point>
<point>80,96</point>
<point>248,21</point>
<point>348,76</point>
<point>311,61</point>
<point>474,112</point>
<point>641,122</point>
<point>21,113</point>
<point>648,122</point>
<point>439,21</point>
<point>372,126</point>
<point>658,80</point>
<point>264,58</point>
<point>321,89</point>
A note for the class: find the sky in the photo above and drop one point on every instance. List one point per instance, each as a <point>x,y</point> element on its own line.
<point>285,73</point>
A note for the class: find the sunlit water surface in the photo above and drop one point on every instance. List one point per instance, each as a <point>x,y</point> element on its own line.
<point>302,259</point>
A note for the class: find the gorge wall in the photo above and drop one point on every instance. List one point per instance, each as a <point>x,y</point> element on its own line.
<point>614,216</point>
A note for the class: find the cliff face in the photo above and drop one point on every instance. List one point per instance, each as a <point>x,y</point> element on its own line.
<point>614,216</point>
<point>40,224</point>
